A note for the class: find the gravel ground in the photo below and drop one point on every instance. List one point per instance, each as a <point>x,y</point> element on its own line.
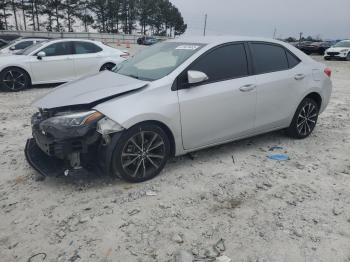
<point>298,210</point>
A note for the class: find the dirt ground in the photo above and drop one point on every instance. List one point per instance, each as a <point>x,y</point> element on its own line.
<point>298,210</point>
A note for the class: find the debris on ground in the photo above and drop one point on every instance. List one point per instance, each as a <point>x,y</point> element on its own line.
<point>279,157</point>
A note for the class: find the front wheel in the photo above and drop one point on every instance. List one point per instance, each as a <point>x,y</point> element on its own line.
<point>14,79</point>
<point>305,119</point>
<point>348,57</point>
<point>141,153</point>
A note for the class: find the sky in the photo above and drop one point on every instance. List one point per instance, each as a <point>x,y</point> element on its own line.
<point>327,19</point>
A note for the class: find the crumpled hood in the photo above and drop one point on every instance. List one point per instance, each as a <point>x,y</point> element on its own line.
<point>90,89</point>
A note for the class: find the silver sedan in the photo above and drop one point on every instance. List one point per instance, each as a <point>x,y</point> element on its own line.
<point>174,98</point>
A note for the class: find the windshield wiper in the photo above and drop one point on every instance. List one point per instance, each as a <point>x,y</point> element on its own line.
<point>140,78</point>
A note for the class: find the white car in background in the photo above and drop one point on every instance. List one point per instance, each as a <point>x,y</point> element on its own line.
<point>340,50</point>
<point>57,61</point>
<point>19,45</point>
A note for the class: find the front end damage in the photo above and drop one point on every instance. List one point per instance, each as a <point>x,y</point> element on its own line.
<point>71,140</point>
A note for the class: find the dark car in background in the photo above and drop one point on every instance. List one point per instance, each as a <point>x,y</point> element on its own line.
<point>147,40</point>
<point>2,43</point>
<point>313,47</point>
<point>9,37</point>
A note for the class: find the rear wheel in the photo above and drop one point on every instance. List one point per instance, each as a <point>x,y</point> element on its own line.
<point>107,66</point>
<point>305,119</point>
<point>327,58</point>
<point>141,153</point>
<point>14,79</point>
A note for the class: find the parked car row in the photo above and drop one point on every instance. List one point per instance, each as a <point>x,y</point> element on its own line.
<point>330,50</point>
<point>313,47</point>
<point>173,98</point>
<point>55,61</point>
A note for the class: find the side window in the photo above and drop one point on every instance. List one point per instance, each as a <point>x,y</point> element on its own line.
<point>86,48</point>
<point>23,45</point>
<point>268,58</point>
<point>293,61</point>
<point>58,49</point>
<point>223,63</point>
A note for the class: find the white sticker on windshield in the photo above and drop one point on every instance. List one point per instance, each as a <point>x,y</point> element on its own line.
<point>187,47</point>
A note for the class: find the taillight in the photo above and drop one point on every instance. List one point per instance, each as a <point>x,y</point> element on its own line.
<point>328,72</point>
<point>125,55</point>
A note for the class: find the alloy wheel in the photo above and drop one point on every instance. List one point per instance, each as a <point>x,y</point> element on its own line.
<point>307,119</point>
<point>14,80</point>
<point>143,154</point>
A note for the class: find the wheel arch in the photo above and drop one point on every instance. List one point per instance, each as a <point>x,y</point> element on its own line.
<point>106,63</point>
<point>316,97</point>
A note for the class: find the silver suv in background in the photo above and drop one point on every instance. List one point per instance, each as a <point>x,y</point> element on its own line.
<point>174,98</point>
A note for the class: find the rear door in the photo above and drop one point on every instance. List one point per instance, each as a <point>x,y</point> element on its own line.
<point>223,107</point>
<point>57,66</point>
<point>87,57</point>
<point>279,75</point>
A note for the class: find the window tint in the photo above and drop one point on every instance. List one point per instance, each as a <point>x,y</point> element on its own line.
<point>23,45</point>
<point>86,48</point>
<point>268,58</point>
<point>223,63</point>
<point>58,49</point>
<point>293,61</point>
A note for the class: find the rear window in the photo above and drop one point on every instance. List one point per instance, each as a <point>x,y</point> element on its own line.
<point>86,48</point>
<point>293,61</point>
<point>269,58</point>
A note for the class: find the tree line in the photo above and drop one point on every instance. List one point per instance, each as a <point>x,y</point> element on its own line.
<point>157,17</point>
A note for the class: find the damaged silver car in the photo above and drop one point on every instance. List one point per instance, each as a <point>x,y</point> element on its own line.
<point>173,98</point>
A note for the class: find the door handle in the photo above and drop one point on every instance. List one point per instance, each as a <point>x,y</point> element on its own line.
<point>299,76</point>
<point>247,88</point>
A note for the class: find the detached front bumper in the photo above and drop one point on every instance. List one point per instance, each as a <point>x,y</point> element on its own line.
<point>41,162</point>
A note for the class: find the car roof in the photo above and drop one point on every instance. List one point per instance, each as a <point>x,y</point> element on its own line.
<point>72,39</point>
<point>222,39</point>
<point>31,38</point>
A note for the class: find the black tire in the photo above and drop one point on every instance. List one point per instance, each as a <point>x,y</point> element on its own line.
<point>14,79</point>
<point>348,57</point>
<point>107,66</point>
<point>304,120</point>
<point>327,58</point>
<point>141,153</point>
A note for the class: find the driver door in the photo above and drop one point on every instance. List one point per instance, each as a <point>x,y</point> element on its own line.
<point>57,66</point>
<point>223,107</point>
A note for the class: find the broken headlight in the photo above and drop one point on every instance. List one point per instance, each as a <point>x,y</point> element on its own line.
<point>74,119</point>
<point>107,126</point>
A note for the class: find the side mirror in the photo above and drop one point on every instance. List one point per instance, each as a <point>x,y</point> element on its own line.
<point>40,55</point>
<point>12,48</point>
<point>195,77</point>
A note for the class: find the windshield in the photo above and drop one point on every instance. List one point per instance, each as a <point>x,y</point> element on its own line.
<point>157,61</point>
<point>31,48</point>
<point>343,44</point>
